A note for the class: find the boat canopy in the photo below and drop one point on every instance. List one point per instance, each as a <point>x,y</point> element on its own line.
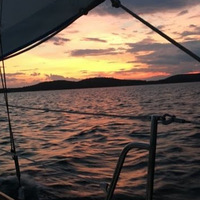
<point>26,23</point>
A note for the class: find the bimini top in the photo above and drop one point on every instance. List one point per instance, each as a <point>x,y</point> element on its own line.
<point>25,24</point>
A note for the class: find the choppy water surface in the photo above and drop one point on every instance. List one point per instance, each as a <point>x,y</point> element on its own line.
<point>68,156</point>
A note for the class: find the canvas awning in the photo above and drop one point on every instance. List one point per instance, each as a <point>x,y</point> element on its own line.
<point>26,22</point>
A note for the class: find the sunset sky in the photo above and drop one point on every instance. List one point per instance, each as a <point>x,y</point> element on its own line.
<point>110,43</point>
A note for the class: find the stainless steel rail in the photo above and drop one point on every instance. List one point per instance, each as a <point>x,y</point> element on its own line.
<point>151,161</point>
<point>152,157</point>
<point>119,166</point>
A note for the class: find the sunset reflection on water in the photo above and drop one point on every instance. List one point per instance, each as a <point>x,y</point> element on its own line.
<point>70,155</point>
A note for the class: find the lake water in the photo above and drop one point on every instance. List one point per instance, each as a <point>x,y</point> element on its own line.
<point>66,155</point>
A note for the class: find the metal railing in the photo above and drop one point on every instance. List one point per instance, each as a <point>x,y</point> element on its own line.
<point>151,147</point>
<point>111,188</point>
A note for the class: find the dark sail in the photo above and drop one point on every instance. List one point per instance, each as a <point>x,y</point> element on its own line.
<point>27,22</point>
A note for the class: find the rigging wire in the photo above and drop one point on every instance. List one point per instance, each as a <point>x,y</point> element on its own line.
<point>4,86</point>
<point>117,4</point>
<point>12,141</point>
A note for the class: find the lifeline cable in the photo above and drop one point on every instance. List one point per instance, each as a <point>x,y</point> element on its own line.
<point>166,118</point>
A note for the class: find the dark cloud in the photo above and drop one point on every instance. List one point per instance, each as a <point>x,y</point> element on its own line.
<point>94,52</point>
<point>35,74</point>
<point>146,6</point>
<point>131,61</point>
<point>160,27</point>
<point>59,40</point>
<point>156,75</point>
<point>84,71</point>
<point>195,31</point>
<point>193,26</point>
<point>28,70</point>
<point>182,13</point>
<point>54,77</point>
<point>15,79</point>
<point>9,79</point>
<point>15,74</point>
<point>164,57</point>
<point>144,45</point>
<point>189,33</point>
<point>94,40</point>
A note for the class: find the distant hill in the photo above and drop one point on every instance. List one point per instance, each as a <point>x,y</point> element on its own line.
<point>51,85</point>
<point>107,82</point>
<point>103,82</point>
<point>181,78</point>
<point>86,83</point>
